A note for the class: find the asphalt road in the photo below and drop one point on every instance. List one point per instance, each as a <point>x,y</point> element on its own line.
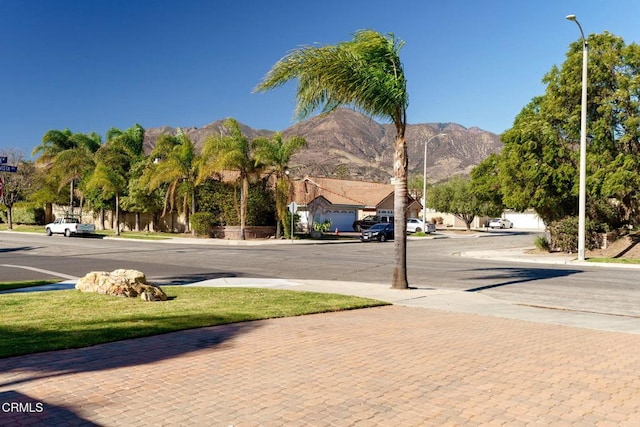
<point>431,263</point>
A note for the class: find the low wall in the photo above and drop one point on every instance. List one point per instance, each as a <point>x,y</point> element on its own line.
<point>233,232</point>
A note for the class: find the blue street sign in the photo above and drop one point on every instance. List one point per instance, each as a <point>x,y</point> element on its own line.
<point>6,168</point>
<point>3,160</point>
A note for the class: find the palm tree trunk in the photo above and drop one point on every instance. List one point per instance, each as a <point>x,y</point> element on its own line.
<point>243,206</point>
<point>281,206</point>
<point>400,167</point>
<point>71,199</point>
<point>193,207</point>
<point>117,214</point>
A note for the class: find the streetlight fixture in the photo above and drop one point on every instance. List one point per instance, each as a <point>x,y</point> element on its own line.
<point>583,145</point>
<point>424,181</point>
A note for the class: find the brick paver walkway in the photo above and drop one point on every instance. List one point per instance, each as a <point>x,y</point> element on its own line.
<point>387,366</point>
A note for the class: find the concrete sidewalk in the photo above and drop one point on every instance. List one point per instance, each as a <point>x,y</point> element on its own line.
<point>446,300</point>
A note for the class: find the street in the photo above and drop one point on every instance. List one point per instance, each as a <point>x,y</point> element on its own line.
<point>432,263</point>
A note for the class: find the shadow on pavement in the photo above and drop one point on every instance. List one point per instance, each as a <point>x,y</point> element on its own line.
<point>186,279</point>
<point>20,409</point>
<point>515,276</point>
<point>132,352</point>
<point>18,249</point>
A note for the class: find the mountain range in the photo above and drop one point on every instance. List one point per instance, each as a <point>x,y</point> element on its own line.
<point>347,144</point>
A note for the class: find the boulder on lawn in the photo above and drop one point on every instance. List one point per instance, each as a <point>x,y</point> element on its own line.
<point>122,283</point>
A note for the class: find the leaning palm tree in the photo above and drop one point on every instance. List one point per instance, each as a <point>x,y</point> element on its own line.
<point>231,152</point>
<point>276,152</point>
<point>366,74</point>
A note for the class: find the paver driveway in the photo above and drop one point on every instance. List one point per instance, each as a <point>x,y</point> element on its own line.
<point>385,366</point>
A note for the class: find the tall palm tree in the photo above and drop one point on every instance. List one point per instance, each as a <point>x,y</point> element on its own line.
<point>176,164</point>
<point>68,156</point>
<point>276,152</point>
<point>109,177</point>
<point>113,165</point>
<point>231,152</point>
<point>366,74</point>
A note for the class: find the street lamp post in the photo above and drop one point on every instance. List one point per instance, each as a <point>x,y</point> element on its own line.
<point>583,146</point>
<point>424,182</point>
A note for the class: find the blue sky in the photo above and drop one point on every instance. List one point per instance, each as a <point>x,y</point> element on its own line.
<point>90,65</point>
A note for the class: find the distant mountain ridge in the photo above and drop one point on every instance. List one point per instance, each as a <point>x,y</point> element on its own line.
<point>347,144</point>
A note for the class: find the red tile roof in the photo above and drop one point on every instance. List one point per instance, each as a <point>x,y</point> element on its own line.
<point>341,191</point>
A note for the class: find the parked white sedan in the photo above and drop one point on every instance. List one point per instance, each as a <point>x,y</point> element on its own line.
<point>500,223</point>
<point>416,225</point>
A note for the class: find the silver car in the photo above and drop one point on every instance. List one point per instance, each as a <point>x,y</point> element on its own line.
<point>500,223</point>
<point>416,225</point>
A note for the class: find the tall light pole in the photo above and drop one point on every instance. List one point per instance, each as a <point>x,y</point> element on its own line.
<point>583,146</point>
<point>424,182</point>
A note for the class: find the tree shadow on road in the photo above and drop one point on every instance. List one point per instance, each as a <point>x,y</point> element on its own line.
<point>186,279</point>
<point>517,275</point>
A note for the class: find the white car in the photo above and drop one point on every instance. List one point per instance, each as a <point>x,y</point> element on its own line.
<point>500,223</point>
<point>69,226</point>
<point>416,225</point>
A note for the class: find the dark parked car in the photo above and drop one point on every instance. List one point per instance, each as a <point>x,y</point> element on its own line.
<point>380,232</point>
<point>369,220</point>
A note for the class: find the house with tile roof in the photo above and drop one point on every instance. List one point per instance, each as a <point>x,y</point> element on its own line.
<point>344,201</point>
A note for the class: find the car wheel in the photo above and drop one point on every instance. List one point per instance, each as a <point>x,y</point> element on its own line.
<point>48,232</point>
<point>418,229</point>
<point>357,228</point>
<point>382,238</point>
<point>67,233</point>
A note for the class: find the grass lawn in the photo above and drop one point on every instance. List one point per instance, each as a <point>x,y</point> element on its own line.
<point>44,321</point>
<point>615,260</point>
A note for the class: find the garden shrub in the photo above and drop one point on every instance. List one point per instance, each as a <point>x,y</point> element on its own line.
<point>202,223</point>
<point>25,214</point>
<point>542,243</point>
<point>564,235</point>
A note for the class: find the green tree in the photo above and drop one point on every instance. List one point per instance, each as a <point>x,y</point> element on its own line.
<point>367,74</point>
<point>177,165</point>
<point>456,197</point>
<point>114,160</point>
<point>109,177</point>
<point>539,164</point>
<point>16,186</point>
<point>415,186</point>
<point>276,152</point>
<point>486,186</point>
<point>67,157</point>
<point>139,199</point>
<point>231,152</point>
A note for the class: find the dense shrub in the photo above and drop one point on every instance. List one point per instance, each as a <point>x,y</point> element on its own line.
<point>564,235</point>
<point>25,214</point>
<point>223,201</point>
<point>202,223</point>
